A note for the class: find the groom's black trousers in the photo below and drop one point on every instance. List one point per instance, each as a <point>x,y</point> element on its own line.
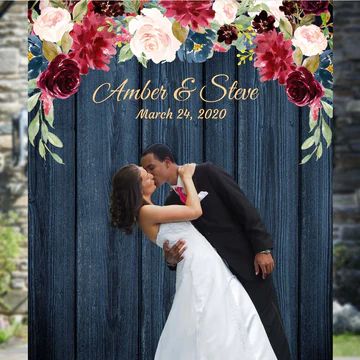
<point>263,295</point>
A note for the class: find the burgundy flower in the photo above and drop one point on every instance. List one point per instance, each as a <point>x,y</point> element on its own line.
<point>302,89</point>
<point>62,77</point>
<point>109,8</point>
<point>92,48</point>
<point>289,8</point>
<point>227,33</point>
<point>314,7</point>
<point>194,13</point>
<point>262,22</point>
<point>273,55</point>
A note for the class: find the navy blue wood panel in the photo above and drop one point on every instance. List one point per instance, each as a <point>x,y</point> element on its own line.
<point>116,290</point>
<point>52,246</point>
<point>315,259</point>
<point>107,262</point>
<point>268,173</point>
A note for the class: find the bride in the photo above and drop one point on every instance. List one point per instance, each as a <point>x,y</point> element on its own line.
<point>212,316</point>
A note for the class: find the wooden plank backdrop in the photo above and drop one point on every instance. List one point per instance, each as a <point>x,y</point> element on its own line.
<point>97,294</point>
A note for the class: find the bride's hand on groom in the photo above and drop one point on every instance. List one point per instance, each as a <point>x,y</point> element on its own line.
<point>186,170</point>
<point>174,254</point>
<point>265,263</point>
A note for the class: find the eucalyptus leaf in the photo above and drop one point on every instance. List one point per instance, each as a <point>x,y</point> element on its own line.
<point>286,28</point>
<point>312,63</point>
<point>307,143</point>
<point>297,56</point>
<point>329,94</point>
<point>32,84</point>
<point>44,132</point>
<point>307,20</point>
<point>66,42</point>
<point>34,128</point>
<point>326,132</point>
<point>42,149</point>
<point>125,53</point>
<point>50,50</point>
<point>57,158</point>
<point>53,139</point>
<point>80,10</point>
<point>319,151</point>
<point>312,122</point>
<point>317,136</point>
<point>306,159</point>
<point>328,109</point>
<point>179,31</point>
<point>32,100</point>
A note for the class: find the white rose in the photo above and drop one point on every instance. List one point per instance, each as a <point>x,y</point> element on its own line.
<point>153,36</point>
<point>225,11</point>
<point>310,40</point>
<point>52,24</point>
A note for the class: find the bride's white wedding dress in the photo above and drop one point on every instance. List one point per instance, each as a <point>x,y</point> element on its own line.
<point>212,316</point>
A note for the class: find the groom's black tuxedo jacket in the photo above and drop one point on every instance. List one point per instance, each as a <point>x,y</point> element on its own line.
<point>229,222</point>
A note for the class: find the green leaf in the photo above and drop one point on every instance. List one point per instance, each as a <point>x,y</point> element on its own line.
<point>44,132</point>
<point>179,32</point>
<point>57,158</point>
<point>307,143</point>
<point>327,133</point>
<point>286,28</point>
<point>143,60</point>
<point>327,108</point>
<point>312,63</point>
<point>306,159</point>
<point>32,84</point>
<point>50,117</point>
<point>257,8</point>
<point>331,43</point>
<point>312,122</point>
<point>329,94</point>
<point>53,139</point>
<point>297,56</point>
<point>34,14</point>
<point>66,42</point>
<point>319,151</point>
<point>41,149</point>
<point>242,22</point>
<point>34,128</point>
<point>125,53</point>
<point>32,100</point>
<point>131,6</point>
<point>307,19</point>
<point>50,50</point>
<point>317,136</point>
<point>244,6</point>
<point>80,10</point>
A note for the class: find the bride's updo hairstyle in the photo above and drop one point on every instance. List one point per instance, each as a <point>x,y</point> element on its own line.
<point>126,198</point>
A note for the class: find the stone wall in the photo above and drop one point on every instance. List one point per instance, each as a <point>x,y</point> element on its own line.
<point>347,153</point>
<point>13,180</point>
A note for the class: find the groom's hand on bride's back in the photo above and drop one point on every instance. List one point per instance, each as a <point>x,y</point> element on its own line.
<point>174,254</point>
<point>264,263</point>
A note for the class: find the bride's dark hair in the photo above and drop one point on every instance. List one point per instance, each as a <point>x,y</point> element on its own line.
<point>126,198</point>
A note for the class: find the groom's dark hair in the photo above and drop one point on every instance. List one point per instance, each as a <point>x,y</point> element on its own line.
<point>160,151</point>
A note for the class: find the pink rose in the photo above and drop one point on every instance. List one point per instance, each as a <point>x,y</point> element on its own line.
<point>153,36</point>
<point>310,40</point>
<point>225,11</point>
<point>52,24</point>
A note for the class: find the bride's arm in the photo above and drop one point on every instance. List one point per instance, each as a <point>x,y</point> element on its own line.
<point>164,214</point>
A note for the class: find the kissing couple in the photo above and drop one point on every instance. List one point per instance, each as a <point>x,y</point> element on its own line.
<point>225,305</point>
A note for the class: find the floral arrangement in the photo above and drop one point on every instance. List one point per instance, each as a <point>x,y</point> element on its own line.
<point>287,41</point>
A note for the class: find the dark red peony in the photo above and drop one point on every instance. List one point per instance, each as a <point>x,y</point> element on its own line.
<point>227,33</point>
<point>194,13</point>
<point>314,7</point>
<point>273,56</point>
<point>62,77</point>
<point>93,48</point>
<point>263,22</point>
<point>302,89</point>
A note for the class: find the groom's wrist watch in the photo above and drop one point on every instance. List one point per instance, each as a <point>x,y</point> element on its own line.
<point>268,251</point>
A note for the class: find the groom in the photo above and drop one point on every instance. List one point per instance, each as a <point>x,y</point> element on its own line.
<point>233,227</point>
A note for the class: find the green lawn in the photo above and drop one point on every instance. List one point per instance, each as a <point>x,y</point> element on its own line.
<point>346,345</point>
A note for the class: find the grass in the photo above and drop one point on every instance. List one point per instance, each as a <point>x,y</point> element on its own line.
<point>346,345</point>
